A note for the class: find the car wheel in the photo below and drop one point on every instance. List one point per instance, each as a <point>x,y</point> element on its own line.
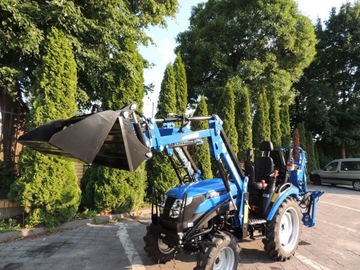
<point>356,185</point>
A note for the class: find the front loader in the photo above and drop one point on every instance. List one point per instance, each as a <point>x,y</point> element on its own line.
<point>266,199</point>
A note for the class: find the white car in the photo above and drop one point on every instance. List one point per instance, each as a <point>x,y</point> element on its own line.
<point>339,172</point>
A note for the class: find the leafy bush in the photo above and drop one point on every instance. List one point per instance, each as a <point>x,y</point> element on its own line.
<point>8,225</point>
<point>111,190</point>
<point>47,189</point>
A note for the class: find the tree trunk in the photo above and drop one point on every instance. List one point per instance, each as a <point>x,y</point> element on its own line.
<point>343,151</point>
<point>12,126</point>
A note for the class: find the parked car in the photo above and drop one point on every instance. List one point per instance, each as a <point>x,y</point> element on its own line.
<point>339,172</point>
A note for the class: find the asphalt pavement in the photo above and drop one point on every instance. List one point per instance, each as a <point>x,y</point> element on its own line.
<point>103,243</point>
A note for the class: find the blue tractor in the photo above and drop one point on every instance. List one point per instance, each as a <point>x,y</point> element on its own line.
<point>266,198</point>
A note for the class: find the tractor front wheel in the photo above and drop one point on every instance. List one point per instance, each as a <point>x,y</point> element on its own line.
<point>283,231</point>
<point>221,252</point>
<point>156,248</point>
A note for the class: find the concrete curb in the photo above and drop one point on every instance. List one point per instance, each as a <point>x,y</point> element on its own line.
<point>141,215</point>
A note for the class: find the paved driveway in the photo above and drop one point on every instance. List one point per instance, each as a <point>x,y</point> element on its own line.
<point>334,243</point>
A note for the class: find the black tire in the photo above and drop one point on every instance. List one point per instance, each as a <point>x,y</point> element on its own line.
<point>356,185</point>
<point>316,180</point>
<point>156,249</point>
<point>220,252</point>
<point>283,231</point>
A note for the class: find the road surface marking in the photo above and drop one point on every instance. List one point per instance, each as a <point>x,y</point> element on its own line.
<point>345,207</point>
<point>337,225</point>
<point>130,250</point>
<point>309,262</point>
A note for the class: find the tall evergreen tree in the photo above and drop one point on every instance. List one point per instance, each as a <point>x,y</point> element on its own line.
<point>167,96</point>
<point>312,160</point>
<point>243,119</point>
<point>226,111</point>
<point>48,186</point>
<point>180,84</point>
<point>285,125</point>
<point>274,115</point>
<point>251,39</point>
<point>201,155</point>
<point>330,87</point>
<point>161,174</point>
<point>261,123</point>
<point>108,189</point>
<point>97,30</point>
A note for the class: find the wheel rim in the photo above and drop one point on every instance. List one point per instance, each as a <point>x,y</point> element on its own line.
<point>224,259</point>
<point>356,185</point>
<point>289,230</point>
<point>164,248</point>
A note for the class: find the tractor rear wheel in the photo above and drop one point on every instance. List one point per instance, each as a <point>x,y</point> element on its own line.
<point>156,248</point>
<point>283,231</point>
<point>221,252</point>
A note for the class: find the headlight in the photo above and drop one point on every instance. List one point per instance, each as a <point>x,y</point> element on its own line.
<point>178,207</point>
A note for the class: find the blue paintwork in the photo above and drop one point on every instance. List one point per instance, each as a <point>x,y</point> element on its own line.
<point>291,191</point>
<point>161,139</point>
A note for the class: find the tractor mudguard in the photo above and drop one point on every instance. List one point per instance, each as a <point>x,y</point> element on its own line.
<point>106,138</point>
<point>278,199</point>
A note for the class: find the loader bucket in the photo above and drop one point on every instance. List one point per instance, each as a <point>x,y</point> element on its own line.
<point>105,138</point>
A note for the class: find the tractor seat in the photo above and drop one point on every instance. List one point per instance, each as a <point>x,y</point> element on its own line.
<point>264,167</point>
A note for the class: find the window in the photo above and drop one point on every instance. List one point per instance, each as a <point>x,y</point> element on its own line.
<point>350,166</point>
<point>332,166</point>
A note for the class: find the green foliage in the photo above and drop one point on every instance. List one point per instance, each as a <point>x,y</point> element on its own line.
<point>48,186</point>
<point>167,97</point>
<point>312,159</point>
<point>243,119</point>
<point>8,225</point>
<point>274,116</point>
<point>161,174</point>
<point>266,43</point>
<point>201,154</point>
<point>226,111</point>
<point>285,125</point>
<point>108,189</point>
<point>99,32</point>
<point>329,87</point>
<point>56,81</point>
<point>47,189</point>
<point>250,38</point>
<point>113,190</point>
<point>122,90</point>
<point>261,123</point>
<point>180,85</point>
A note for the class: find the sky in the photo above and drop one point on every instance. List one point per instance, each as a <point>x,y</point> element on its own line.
<point>163,53</point>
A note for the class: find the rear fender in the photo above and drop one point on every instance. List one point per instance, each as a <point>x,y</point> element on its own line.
<point>278,199</point>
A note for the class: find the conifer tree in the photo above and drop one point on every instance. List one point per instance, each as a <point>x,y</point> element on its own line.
<point>201,154</point>
<point>274,115</point>
<point>312,160</point>
<point>48,185</point>
<point>261,123</point>
<point>227,113</point>
<point>285,124</point>
<point>161,174</point>
<point>180,84</point>
<point>108,189</point>
<point>167,96</point>
<point>244,121</point>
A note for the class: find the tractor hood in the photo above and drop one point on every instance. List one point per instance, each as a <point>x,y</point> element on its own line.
<point>108,138</point>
